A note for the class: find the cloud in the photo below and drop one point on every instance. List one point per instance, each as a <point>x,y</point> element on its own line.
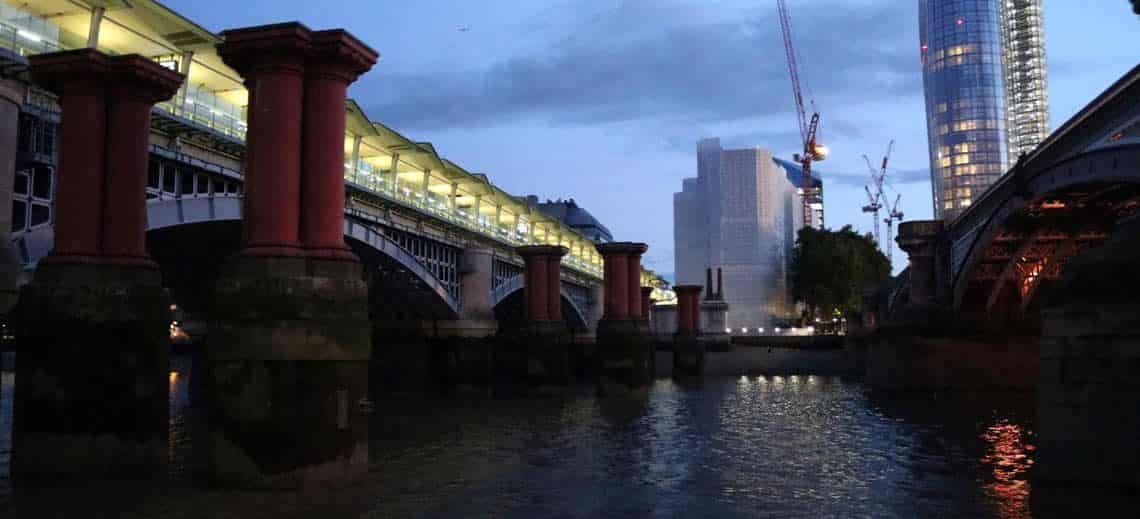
<point>637,62</point>
<point>895,177</point>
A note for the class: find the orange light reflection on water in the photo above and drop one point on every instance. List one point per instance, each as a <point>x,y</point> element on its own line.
<point>1008,454</point>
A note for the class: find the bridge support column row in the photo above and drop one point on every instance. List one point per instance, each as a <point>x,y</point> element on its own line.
<point>622,353</point>
<point>93,325</point>
<point>290,338</point>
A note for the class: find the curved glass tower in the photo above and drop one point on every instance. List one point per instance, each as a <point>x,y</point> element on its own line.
<point>962,76</point>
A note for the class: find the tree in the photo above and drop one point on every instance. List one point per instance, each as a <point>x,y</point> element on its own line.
<point>830,268</point>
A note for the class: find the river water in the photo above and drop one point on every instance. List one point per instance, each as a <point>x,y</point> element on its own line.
<point>748,446</point>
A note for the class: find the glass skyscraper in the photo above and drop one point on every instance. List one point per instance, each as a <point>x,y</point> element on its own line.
<point>983,71</point>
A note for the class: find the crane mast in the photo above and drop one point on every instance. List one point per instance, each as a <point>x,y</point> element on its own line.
<point>893,214</point>
<point>876,196</point>
<point>808,126</point>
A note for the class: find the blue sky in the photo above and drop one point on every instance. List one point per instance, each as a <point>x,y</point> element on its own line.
<point>604,100</point>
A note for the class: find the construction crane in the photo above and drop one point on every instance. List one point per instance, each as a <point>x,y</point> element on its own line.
<point>812,150</point>
<point>893,215</point>
<point>875,197</point>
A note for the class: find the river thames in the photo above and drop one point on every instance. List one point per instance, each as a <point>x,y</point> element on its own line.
<point>728,446</point>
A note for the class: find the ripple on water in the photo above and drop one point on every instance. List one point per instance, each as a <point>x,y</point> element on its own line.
<point>722,447</point>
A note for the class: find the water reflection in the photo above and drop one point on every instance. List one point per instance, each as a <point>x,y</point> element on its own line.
<point>1008,454</point>
<point>718,447</point>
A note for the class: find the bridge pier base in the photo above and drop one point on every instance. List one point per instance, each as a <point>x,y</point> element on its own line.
<point>907,358</point>
<point>623,358</point>
<point>688,350</point>
<point>624,353</point>
<point>537,355</point>
<point>287,370</point>
<point>1087,424</point>
<point>92,374</point>
<point>1086,413</point>
<point>688,355</point>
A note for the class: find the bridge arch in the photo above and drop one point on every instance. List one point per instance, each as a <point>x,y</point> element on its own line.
<point>514,285</point>
<point>184,212</point>
<point>1036,220</point>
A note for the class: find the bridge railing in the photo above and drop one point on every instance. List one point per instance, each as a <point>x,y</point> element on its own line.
<point>458,217</point>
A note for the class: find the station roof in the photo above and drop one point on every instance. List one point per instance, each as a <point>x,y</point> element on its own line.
<point>149,28</point>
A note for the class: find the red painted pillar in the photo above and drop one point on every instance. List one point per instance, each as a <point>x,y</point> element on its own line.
<point>100,209</point>
<point>78,78</point>
<point>616,286</point>
<point>633,278</point>
<point>542,292</point>
<point>622,270</point>
<point>554,283</point>
<point>136,84</point>
<point>273,57</point>
<point>337,59</point>
<point>646,302</point>
<point>687,296</point>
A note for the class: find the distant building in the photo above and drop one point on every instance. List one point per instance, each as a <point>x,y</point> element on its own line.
<point>984,77</point>
<point>573,216</point>
<point>741,213</point>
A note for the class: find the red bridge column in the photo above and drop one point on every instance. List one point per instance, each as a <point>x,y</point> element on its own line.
<point>79,78</point>
<point>633,278</point>
<point>615,257</point>
<point>623,354</point>
<point>273,58</point>
<point>337,59</point>
<point>290,308</point>
<point>688,349</point>
<point>554,283</point>
<point>688,317</point>
<point>646,302</point>
<point>93,336</point>
<point>534,293</point>
<point>137,83</point>
<point>542,291</point>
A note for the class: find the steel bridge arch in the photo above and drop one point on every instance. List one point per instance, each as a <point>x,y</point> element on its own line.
<point>1117,165</point>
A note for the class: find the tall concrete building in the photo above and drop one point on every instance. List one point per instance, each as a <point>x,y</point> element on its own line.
<point>740,214</point>
<point>983,71</point>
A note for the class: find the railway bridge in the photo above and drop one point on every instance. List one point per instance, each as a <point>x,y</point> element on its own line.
<point>154,167</point>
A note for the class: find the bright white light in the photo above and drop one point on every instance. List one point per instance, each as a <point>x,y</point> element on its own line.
<point>835,320</point>
<point>728,330</point>
<point>744,330</point>
<point>761,330</point>
<point>817,319</point>
<point>777,330</point>
<point>30,36</point>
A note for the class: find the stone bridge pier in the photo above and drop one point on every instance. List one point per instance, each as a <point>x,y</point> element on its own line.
<point>688,350</point>
<point>622,353</point>
<point>290,339</point>
<point>91,396</point>
<point>922,345</point>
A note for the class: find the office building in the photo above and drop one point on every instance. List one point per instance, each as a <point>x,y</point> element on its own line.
<point>740,214</point>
